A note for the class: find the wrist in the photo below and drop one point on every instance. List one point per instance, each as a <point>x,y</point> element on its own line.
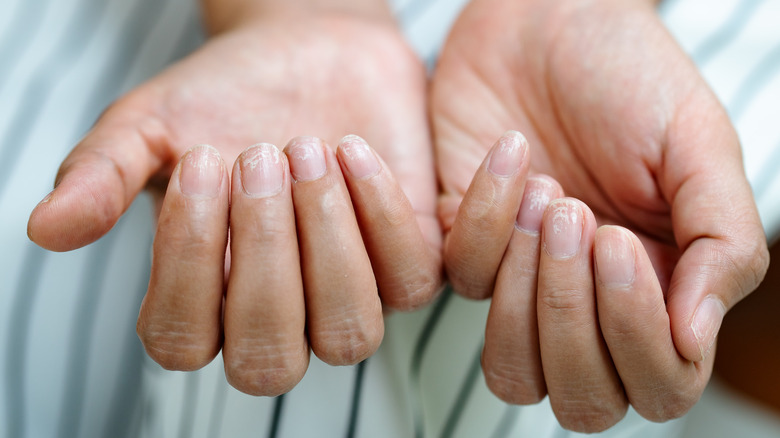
<point>222,15</point>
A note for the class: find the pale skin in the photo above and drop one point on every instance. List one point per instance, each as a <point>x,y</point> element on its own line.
<point>597,316</point>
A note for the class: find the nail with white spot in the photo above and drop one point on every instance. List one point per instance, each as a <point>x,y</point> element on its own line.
<point>538,193</point>
<point>307,158</point>
<point>615,257</point>
<point>562,228</point>
<point>200,175</point>
<point>262,170</point>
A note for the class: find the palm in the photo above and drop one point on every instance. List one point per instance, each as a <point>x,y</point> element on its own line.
<point>325,77</point>
<point>591,99</point>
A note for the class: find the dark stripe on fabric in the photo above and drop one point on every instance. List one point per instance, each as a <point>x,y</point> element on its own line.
<point>357,390</point>
<point>420,347</point>
<point>464,394</point>
<point>728,32</point>
<point>80,344</point>
<point>507,422</point>
<point>26,292</point>
<point>189,404</point>
<point>79,31</point>
<point>14,42</point>
<point>218,407</point>
<point>127,393</point>
<point>762,73</point>
<point>276,416</point>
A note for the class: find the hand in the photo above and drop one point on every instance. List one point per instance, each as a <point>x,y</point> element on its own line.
<point>615,112</point>
<point>267,80</point>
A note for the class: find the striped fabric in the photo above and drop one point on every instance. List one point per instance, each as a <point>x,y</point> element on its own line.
<point>71,365</point>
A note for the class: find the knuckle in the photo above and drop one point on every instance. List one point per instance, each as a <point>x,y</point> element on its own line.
<point>589,418</point>
<point>513,384</point>
<point>176,349</point>
<point>749,260</point>
<point>758,263</point>
<point>473,290</point>
<point>484,214</point>
<point>416,291</point>
<point>565,299</point>
<point>667,406</point>
<point>347,341</point>
<point>394,215</point>
<point>190,234</point>
<point>629,327</point>
<point>265,370</point>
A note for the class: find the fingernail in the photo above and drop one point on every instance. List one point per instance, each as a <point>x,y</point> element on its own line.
<point>358,157</point>
<point>706,323</point>
<point>307,159</point>
<point>537,195</point>
<point>201,172</point>
<point>615,259</point>
<point>563,229</point>
<point>262,170</point>
<point>508,154</point>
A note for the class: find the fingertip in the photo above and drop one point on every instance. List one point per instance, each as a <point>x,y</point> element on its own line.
<point>508,155</point>
<point>706,323</point>
<point>78,212</point>
<point>308,158</point>
<point>564,223</point>
<point>201,172</point>
<point>539,191</point>
<point>708,280</point>
<point>97,182</point>
<point>260,171</point>
<point>356,158</point>
<point>614,257</point>
<point>486,218</point>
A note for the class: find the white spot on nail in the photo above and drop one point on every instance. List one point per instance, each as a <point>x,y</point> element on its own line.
<point>538,199</point>
<point>264,153</point>
<point>562,217</point>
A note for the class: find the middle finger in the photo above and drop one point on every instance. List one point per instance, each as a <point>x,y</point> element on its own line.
<point>585,391</point>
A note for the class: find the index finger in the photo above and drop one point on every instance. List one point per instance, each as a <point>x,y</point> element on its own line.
<point>483,226</point>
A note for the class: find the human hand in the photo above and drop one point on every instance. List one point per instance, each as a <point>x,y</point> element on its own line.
<point>268,79</point>
<point>615,112</point>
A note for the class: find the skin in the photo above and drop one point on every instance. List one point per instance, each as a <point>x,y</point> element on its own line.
<point>618,115</point>
<point>298,270</point>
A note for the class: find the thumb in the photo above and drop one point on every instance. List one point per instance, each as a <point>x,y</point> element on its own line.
<point>716,224</point>
<point>98,180</point>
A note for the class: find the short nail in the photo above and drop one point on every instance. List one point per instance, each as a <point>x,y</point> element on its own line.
<point>508,154</point>
<point>358,157</point>
<point>262,170</point>
<point>706,323</point>
<point>201,172</point>
<point>615,259</point>
<point>537,195</point>
<point>307,159</point>
<point>563,229</point>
